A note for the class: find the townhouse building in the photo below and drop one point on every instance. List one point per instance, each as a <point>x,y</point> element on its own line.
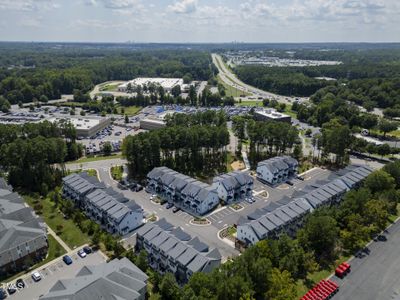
<point>117,279</point>
<point>189,194</point>
<point>23,235</point>
<point>287,215</point>
<point>170,249</point>
<point>233,186</point>
<point>109,208</point>
<point>277,169</point>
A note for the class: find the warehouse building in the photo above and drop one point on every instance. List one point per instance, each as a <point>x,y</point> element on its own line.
<point>170,249</point>
<point>271,115</point>
<point>166,83</point>
<point>118,279</point>
<point>85,126</point>
<point>152,124</point>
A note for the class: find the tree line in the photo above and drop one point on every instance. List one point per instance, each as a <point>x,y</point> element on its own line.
<point>29,152</point>
<point>190,148</point>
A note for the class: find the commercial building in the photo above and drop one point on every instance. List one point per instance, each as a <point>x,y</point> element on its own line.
<point>287,215</point>
<point>233,186</point>
<point>23,235</point>
<point>277,169</point>
<point>152,124</point>
<point>85,126</point>
<point>191,195</point>
<point>170,249</point>
<point>166,83</point>
<point>118,279</point>
<point>271,115</point>
<point>112,210</point>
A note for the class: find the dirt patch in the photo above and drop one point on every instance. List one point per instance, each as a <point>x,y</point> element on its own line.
<point>237,165</point>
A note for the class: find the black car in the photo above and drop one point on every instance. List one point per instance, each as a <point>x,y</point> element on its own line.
<point>139,188</point>
<point>169,205</point>
<point>289,183</point>
<point>87,250</point>
<point>11,289</point>
<point>20,283</point>
<point>300,178</point>
<point>3,294</point>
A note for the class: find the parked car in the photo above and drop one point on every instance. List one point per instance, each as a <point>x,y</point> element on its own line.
<point>87,249</point>
<point>169,205</point>
<point>3,294</point>
<point>67,259</point>
<point>342,270</point>
<point>11,289</point>
<point>36,276</point>
<point>175,209</point>
<point>82,253</point>
<point>289,182</point>
<point>139,188</point>
<point>300,178</point>
<point>20,283</point>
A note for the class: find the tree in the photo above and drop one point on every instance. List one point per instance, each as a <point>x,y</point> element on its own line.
<point>355,235</point>
<point>387,126</point>
<point>126,119</point>
<point>82,113</point>
<point>379,181</point>
<point>297,151</point>
<point>281,286</point>
<point>43,99</point>
<point>376,214</point>
<point>320,234</point>
<point>141,261</point>
<point>107,148</point>
<point>176,90</point>
<point>169,289</point>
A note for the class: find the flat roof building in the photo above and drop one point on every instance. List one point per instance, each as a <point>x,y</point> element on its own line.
<point>271,115</point>
<point>152,124</point>
<point>85,126</point>
<point>167,83</point>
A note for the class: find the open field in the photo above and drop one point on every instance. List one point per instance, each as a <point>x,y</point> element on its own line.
<point>230,90</point>
<point>132,110</point>
<point>94,158</point>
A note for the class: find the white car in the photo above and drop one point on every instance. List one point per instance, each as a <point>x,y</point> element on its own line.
<point>82,253</point>
<point>36,276</point>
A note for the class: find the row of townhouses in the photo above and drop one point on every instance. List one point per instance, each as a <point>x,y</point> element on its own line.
<point>189,194</point>
<point>117,279</point>
<point>233,186</point>
<point>23,235</point>
<point>112,210</point>
<point>170,249</point>
<point>277,169</point>
<point>287,215</point>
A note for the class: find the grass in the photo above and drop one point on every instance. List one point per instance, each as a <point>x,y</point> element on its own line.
<point>55,250</point>
<point>94,158</point>
<point>230,158</point>
<point>109,87</point>
<point>132,110</point>
<point>230,90</point>
<point>70,233</point>
<point>250,103</point>
<point>91,172</point>
<point>117,172</point>
<point>69,104</point>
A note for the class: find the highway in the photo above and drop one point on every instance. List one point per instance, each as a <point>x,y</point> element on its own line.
<point>229,78</point>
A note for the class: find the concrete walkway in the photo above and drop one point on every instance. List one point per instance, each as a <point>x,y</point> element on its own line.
<point>58,239</point>
<point>246,160</point>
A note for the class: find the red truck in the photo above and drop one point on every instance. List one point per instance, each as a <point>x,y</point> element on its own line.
<point>342,270</point>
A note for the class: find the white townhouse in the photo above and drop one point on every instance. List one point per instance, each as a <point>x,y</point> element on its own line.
<point>277,169</point>
<point>189,194</point>
<point>170,249</point>
<point>109,208</point>
<point>233,186</point>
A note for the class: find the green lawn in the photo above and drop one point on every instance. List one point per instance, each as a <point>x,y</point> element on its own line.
<point>117,172</point>
<point>55,250</point>
<point>70,233</point>
<point>109,87</point>
<point>132,110</point>
<point>91,172</point>
<point>250,103</point>
<point>94,158</point>
<point>230,90</point>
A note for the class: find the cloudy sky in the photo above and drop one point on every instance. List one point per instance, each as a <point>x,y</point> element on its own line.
<point>200,20</point>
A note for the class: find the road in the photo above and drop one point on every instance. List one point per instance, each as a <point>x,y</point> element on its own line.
<point>375,276</point>
<point>229,78</point>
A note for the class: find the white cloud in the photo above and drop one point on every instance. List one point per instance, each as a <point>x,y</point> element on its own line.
<point>183,6</point>
<point>115,4</point>
<point>28,5</point>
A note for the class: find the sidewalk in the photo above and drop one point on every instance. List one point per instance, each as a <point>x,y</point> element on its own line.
<point>58,239</point>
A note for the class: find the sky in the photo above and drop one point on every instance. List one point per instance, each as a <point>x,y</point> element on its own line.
<point>215,21</point>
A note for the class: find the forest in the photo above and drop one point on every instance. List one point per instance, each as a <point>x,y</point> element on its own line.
<point>194,145</point>
<point>29,73</point>
<point>28,153</point>
<point>370,78</point>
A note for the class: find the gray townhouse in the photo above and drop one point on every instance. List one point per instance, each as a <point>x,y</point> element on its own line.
<point>109,208</point>
<point>23,235</point>
<point>118,279</point>
<point>233,186</point>
<point>170,249</point>
<point>287,215</point>
<point>189,194</point>
<point>277,169</point>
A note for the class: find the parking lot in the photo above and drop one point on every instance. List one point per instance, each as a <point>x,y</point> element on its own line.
<point>52,273</point>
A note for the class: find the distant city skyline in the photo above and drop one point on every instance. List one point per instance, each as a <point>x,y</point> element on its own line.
<point>181,21</point>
